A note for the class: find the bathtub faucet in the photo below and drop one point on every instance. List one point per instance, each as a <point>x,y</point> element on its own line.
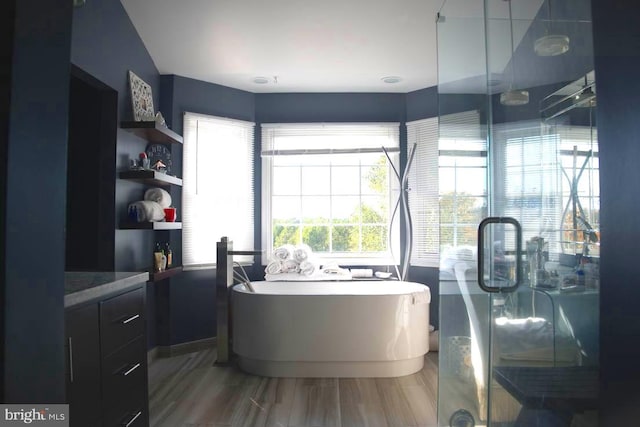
<point>224,280</point>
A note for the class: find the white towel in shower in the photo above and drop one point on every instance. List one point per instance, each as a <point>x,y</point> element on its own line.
<point>302,253</point>
<point>158,195</point>
<point>283,252</point>
<point>307,268</point>
<point>274,267</point>
<point>290,266</point>
<point>146,211</point>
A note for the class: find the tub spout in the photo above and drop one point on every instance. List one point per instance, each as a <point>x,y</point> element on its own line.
<point>224,280</point>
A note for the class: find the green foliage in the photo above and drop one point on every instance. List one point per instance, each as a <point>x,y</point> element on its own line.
<point>342,238</point>
<point>285,234</point>
<point>377,176</point>
<point>462,210</point>
<point>346,234</point>
<point>317,237</point>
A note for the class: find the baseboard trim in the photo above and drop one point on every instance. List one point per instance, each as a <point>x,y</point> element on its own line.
<point>163,351</point>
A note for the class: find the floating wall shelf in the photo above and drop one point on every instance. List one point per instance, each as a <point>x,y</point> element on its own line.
<point>150,177</point>
<point>156,276</point>
<point>153,132</point>
<point>151,226</point>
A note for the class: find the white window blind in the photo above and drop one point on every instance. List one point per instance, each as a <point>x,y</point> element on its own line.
<point>423,194</point>
<point>448,183</point>
<point>528,179</point>
<point>217,193</point>
<point>329,185</point>
<point>463,181</point>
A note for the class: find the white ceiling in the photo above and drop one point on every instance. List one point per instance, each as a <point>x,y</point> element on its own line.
<point>314,46</point>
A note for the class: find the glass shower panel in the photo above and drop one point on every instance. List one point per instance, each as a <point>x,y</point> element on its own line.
<point>464,308</point>
<point>525,68</point>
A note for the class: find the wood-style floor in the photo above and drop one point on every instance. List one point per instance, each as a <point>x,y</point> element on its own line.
<point>189,391</point>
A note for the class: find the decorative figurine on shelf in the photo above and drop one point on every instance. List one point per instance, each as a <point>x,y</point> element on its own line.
<point>160,120</point>
<point>159,166</point>
<point>144,160</point>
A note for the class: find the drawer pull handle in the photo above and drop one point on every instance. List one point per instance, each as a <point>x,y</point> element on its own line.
<point>70,340</point>
<point>132,420</point>
<point>130,319</point>
<point>131,369</point>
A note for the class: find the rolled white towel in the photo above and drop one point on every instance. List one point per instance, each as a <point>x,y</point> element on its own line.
<point>290,266</point>
<point>283,252</point>
<point>307,268</point>
<point>146,211</point>
<point>158,195</point>
<point>274,267</point>
<point>302,253</point>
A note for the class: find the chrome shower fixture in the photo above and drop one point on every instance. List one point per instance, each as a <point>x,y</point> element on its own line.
<point>513,97</point>
<point>551,44</point>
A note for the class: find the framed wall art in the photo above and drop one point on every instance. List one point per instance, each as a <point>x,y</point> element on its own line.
<point>141,99</point>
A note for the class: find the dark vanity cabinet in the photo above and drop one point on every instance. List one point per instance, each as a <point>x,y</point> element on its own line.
<point>107,361</point>
<point>83,373</point>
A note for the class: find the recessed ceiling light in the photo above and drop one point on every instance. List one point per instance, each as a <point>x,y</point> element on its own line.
<point>551,45</point>
<point>261,80</point>
<point>391,79</point>
<point>513,97</point>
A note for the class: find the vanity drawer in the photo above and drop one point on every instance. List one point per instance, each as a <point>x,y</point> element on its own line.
<point>124,374</point>
<point>121,320</point>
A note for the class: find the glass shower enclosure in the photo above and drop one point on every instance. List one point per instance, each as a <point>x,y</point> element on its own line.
<point>519,214</point>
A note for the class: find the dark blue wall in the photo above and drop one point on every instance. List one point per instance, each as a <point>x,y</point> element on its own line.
<point>329,107</point>
<point>33,168</point>
<point>106,45</point>
<point>617,65</point>
<point>190,95</point>
<point>186,306</point>
<point>422,104</point>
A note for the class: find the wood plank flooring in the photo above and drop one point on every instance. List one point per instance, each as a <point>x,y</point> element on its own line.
<point>189,391</point>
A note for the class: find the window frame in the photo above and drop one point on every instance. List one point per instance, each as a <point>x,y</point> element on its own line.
<point>269,153</point>
<point>216,223</point>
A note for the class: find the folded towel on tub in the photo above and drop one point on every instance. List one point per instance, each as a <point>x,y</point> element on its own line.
<point>302,253</point>
<point>162,197</point>
<point>146,211</point>
<point>283,252</point>
<point>290,266</point>
<point>307,268</point>
<point>274,267</point>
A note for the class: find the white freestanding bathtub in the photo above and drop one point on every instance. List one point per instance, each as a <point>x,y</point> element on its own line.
<point>331,329</point>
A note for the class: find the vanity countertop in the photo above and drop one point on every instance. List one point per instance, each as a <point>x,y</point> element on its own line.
<point>82,286</point>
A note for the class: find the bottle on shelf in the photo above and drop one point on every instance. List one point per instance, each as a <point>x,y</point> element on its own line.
<point>159,258</point>
<point>169,254</point>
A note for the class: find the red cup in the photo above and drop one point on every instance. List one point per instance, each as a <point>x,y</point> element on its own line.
<point>170,214</point>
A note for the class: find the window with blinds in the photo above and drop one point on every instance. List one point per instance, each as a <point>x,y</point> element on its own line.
<point>539,167</point>
<point>448,183</point>
<point>217,192</point>
<point>331,187</point>
<point>424,204</point>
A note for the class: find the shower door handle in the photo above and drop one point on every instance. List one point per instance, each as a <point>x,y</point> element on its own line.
<point>501,272</point>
